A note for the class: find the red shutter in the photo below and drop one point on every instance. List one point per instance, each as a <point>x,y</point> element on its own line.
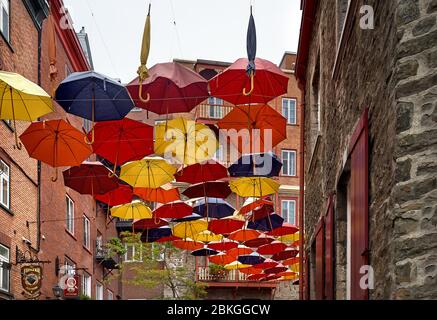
<point>306,274</point>
<point>359,206</point>
<point>319,260</point>
<point>329,250</point>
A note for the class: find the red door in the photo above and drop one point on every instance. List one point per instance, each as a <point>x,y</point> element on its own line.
<point>329,250</point>
<point>319,260</point>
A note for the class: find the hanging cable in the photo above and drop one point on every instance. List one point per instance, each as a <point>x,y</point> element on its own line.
<point>178,40</point>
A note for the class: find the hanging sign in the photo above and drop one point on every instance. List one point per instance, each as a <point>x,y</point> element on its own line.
<point>31,279</point>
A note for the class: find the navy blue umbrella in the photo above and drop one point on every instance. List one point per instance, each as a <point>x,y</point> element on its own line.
<point>268,223</point>
<point>252,259</point>
<point>204,252</point>
<point>191,217</point>
<point>213,208</point>
<point>93,96</point>
<point>251,45</point>
<point>152,235</point>
<point>256,165</point>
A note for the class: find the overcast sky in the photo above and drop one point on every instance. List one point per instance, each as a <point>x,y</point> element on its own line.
<point>204,29</point>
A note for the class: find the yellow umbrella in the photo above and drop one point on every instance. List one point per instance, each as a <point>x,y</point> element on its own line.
<point>289,238</point>
<point>254,187</point>
<point>207,236</point>
<point>185,140</point>
<point>150,172</point>
<point>237,265</point>
<point>143,72</point>
<point>22,100</point>
<point>189,229</point>
<point>132,211</point>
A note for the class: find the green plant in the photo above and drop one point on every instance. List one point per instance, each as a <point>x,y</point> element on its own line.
<point>84,297</point>
<point>217,270</point>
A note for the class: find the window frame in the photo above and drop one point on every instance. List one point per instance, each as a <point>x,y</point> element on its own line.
<point>88,278</point>
<point>110,295</point>
<point>294,171</point>
<point>99,288</point>
<point>133,253</point>
<point>295,110</point>
<point>288,201</point>
<point>70,266</point>
<point>86,232</point>
<point>215,108</point>
<point>7,177</point>
<point>68,218</point>
<point>7,36</point>
<point>6,260</point>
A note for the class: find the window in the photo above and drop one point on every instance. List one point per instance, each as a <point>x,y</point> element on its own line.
<point>86,284</point>
<point>70,214</point>
<point>289,211</point>
<point>133,253</point>
<point>86,232</point>
<point>110,295</point>
<point>289,110</point>
<point>218,155</point>
<point>289,163</point>
<point>4,268</point>
<point>99,291</point>
<point>215,108</point>
<point>4,18</point>
<point>4,184</point>
<point>69,267</point>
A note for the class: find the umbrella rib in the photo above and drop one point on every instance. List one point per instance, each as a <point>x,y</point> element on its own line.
<point>3,95</point>
<point>24,104</point>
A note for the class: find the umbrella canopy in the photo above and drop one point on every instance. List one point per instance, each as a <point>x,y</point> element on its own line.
<point>94,96</point>
<point>272,248</point>
<point>188,244</point>
<point>159,195</point>
<point>256,165</point>
<point>251,259</point>
<point>170,88</point>
<point>277,269</point>
<point>213,208</point>
<point>290,261</point>
<point>251,48</point>
<point>256,277</point>
<point>116,197</point>
<point>202,172</point>
<point>152,223</point>
<point>239,251</point>
<point>254,203</point>
<point>244,235</point>
<point>236,265</point>
<point>56,143</point>
<point>122,141</point>
<point>189,229</point>
<point>252,270</point>
<point>223,245</point>
<point>288,253</point>
<point>22,100</point>
<point>284,230</point>
<point>167,239</point>
<point>90,178</point>
<point>153,235</point>
<point>272,277</point>
<point>185,140</point>
<point>132,211</point>
<point>213,189</point>
<point>268,263</point>
<point>150,172</point>
<point>266,127</point>
<point>254,187</point>
<point>261,212</point>
<point>191,217</point>
<point>225,226</point>
<point>221,259</point>
<point>269,82</point>
<point>207,236</point>
<point>204,252</point>
<point>266,224</point>
<point>258,242</point>
<point>173,210</point>
<point>143,72</point>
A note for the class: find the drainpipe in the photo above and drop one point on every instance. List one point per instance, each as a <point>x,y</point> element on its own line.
<point>302,191</point>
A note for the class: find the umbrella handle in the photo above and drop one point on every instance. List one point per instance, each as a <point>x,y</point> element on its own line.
<point>252,85</point>
<point>112,174</point>
<point>17,142</point>
<point>55,178</point>
<point>87,141</point>
<point>140,93</point>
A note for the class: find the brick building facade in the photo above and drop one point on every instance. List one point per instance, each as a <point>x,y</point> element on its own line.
<point>370,148</point>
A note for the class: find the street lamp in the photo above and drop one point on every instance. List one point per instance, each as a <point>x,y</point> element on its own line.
<point>57,291</point>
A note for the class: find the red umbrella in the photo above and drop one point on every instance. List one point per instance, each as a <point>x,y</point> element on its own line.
<point>251,270</point>
<point>254,203</point>
<point>144,224</point>
<point>286,254</point>
<point>119,196</point>
<point>272,248</point>
<point>223,245</point>
<point>90,178</point>
<point>202,172</point>
<point>170,88</point>
<point>261,240</point>
<point>272,277</point>
<point>286,229</point>
<point>262,212</point>
<point>222,258</point>
<point>160,195</point>
<point>268,263</point>
<point>167,239</point>
<point>213,189</point>
<point>277,269</point>
<point>290,261</point>
<point>244,235</point>
<point>269,82</point>
<point>188,244</point>
<point>239,251</point>
<point>122,141</point>
<point>256,277</point>
<point>225,226</point>
<point>173,210</point>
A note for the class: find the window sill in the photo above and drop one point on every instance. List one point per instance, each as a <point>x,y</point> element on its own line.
<point>70,234</point>
<point>8,210</point>
<point>87,250</point>
<point>7,42</point>
<point>6,294</point>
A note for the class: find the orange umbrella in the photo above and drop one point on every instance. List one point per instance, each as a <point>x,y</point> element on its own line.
<point>160,195</point>
<point>253,203</point>
<point>271,127</point>
<point>239,251</point>
<point>56,143</point>
<point>287,274</point>
<point>244,235</point>
<point>252,270</point>
<point>222,259</point>
<point>290,261</point>
<point>188,244</point>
